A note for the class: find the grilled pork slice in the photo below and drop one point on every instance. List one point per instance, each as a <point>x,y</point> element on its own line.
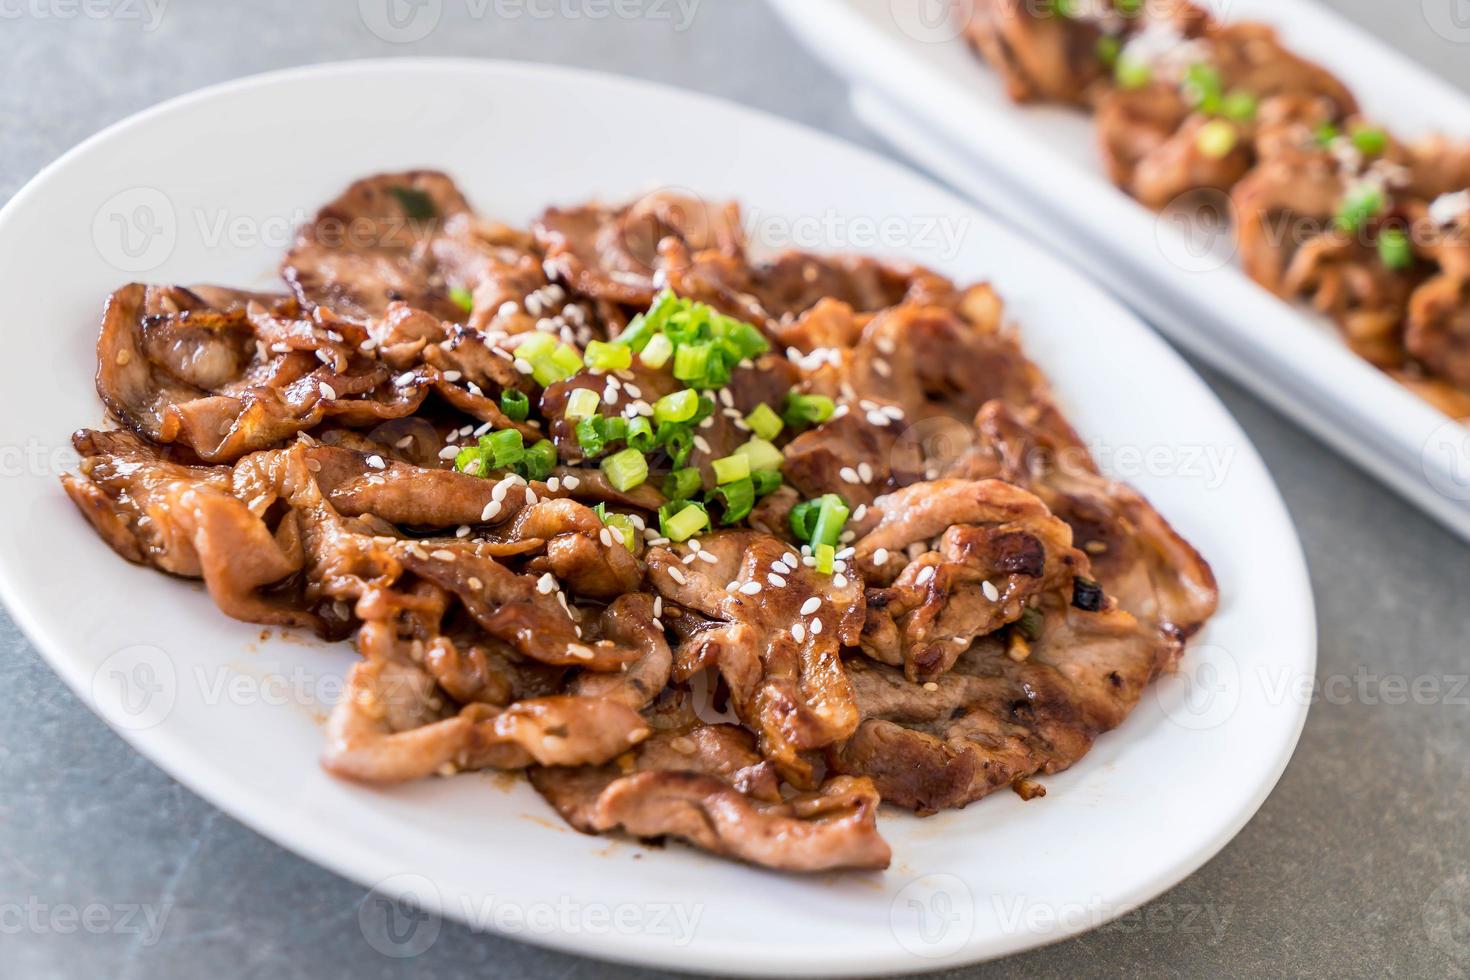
<point>950,561</point>
<point>774,630</point>
<point>997,717</point>
<point>708,786</point>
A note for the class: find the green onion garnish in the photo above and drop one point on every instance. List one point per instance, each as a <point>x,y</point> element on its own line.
<point>1217,138</point>
<point>766,481</point>
<point>621,523</point>
<point>505,447</point>
<point>625,470</point>
<point>831,515</point>
<point>1108,49</point>
<point>1370,140</point>
<point>657,351</point>
<point>1031,623</point>
<point>1203,87</point>
<point>538,462</point>
<point>761,455</point>
<point>764,422</point>
<point>1361,204</point>
<point>691,361</point>
<point>462,298</point>
<point>1394,249</point>
<point>590,438</point>
<point>826,556</point>
<point>677,407</point>
<point>515,405</point>
<point>738,498</point>
<point>561,363</point>
<point>640,435</point>
<point>682,524</point>
<point>535,346</point>
<point>602,356</point>
<point>803,410</point>
<point>1132,73</point>
<point>731,468</point>
<point>582,404</point>
<point>1326,133</point>
<point>676,440</point>
<point>682,484</point>
<point>1240,106</point>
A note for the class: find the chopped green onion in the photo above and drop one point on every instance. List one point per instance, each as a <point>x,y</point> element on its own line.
<point>582,404</point>
<point>682,484</point>
<point>640,435</point>
<point>1129,8</point>
<point>1240,106</point>
<point>1326,133</point>
<point>657,351</point>
<point>535,346</point>
<point>677,407</point>
<point>731,468</point>
<point>684,524</point>
<point>1361,204</point>
<point>621,523</point>
<point>602,356</point>
<point>741,338</point>
<point>691,362</point>
<point>1217,138</point>
<point>471,460</point>
<point>826,556</point>
<point>415,203</point>
<point>1370,140</point>
<point>590,438</point>
<point>1108,49</point>
<point>803,410</point>
<point>538,462</point>
<point>803,519</point>
<point>761,454</point>
<point>764,422</point>
<point>766,481</point>
<point>462,298</point>
<point>625,470</point>
<point>1031,623</point>
<point>505,447</point>
<point>560,364</point>
<point>1203,87</point>
<point>676,440</point>
<point>831,515</point>
<point>515,405</point>
<point>738,498</point>
<point>1132,73</point>
<point>1394,249</point>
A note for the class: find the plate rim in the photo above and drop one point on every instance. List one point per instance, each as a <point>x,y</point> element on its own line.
<point>345,859</point>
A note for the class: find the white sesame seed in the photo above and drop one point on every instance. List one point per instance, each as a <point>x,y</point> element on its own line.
<point>877,418</point>
<point>605,538</point>
<point>881,366</point>
<point>404,443</point>
<point>811,606</point>
<point>707,422</point>
<point>816,627</point>
<point>708,557</point>
<point>689,558</point>
<point>546,584</point>
<point>860,512</point>
<point>701,443</point>
<point>571,482</point>
<point>780,566</point>
<point>925,574</point>
<point>463,531</point>
<point>376,462</point>
<point>880,557</point>
<point>865,472</point>
<point>991,592</point>
<point>751,588</point>
<point>405,378</point>
<point>531,497</point>
<point>848,475</point>
<point>732,587</point>
<point>553,484</point>
<point>893,412</point>
<point>449,452</point>
<point>522,365</point>
<point>633,391</point>
<point>845,554</point>
<point>658,605</point>
<point>490,511</point>
<point>885,345</point>
<point>776,580</point>
<point>328,392</point>
<point>839,580</point>
<point>509,308</point>
<point>727,398</point>
<point>580,652</point>
<point>475,583</point>
<point>452,376</point>
<point>798,632</point>
<point>931,686</point>
<point>677,575</point>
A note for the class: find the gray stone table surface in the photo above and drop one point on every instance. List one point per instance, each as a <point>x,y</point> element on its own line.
<point>1358,864</point>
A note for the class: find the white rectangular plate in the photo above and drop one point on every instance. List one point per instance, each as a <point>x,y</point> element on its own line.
<point>918,82</point>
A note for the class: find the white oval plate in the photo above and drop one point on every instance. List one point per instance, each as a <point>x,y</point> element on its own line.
<point>207,189</point>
